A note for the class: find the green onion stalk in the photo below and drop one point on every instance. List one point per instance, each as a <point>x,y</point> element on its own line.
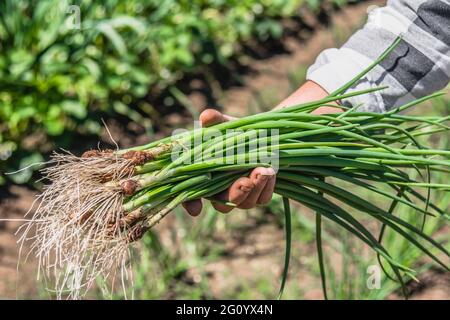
<point>95,205</point>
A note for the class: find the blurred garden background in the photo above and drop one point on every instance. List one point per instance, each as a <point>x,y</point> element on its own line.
<point>69,69</point>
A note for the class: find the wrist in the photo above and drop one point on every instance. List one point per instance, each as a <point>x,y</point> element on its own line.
<point>308,92</point>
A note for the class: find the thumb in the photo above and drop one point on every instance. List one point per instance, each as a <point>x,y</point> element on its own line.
<point>210,117</point>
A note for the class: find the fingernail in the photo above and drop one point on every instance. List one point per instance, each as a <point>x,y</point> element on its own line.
<point>263,176</point>
<point>268,172</point>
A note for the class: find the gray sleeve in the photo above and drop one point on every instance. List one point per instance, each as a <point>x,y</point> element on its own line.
<point>418,66</point>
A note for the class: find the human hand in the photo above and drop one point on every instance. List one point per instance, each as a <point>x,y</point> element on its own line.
<point>245,192</point>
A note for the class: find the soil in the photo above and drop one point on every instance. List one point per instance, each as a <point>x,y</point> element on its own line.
<point>14,283</point>
<point>261,250</point>
<point>434,284</point>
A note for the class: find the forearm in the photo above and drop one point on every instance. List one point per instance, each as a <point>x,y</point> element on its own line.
<point>419,66</point>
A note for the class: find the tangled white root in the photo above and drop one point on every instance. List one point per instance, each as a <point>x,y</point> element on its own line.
<point>70,231</point>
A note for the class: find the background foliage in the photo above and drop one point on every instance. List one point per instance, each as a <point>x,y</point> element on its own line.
<point>57,81</point>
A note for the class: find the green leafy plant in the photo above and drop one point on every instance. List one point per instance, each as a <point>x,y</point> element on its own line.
<point>53,76</point>
<point>58,78</point>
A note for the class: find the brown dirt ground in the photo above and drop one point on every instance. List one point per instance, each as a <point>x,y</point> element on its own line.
<point>12,283</point>
<point>261,250</point>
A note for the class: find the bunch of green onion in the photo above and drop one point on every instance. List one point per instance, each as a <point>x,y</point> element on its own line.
<point>118,203</point>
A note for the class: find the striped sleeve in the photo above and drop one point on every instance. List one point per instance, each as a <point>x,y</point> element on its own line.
<point>419,66</point>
